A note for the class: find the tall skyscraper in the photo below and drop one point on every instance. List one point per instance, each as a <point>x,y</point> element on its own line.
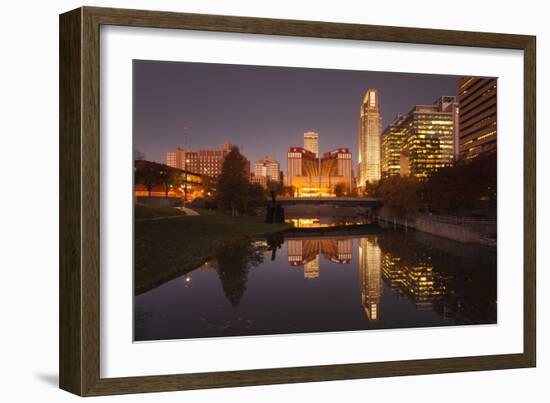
<point>370,277</point>
<point>370,127</point>
<point>301,163</point>
<point>391,143</point>
<point>428,142</point>
<point>311,142</point>
<point>477,98</point>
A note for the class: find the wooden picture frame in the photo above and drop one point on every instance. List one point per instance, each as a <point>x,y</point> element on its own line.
<point>80,197</point>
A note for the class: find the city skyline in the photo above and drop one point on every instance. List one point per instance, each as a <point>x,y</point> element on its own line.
<point>193,105</point>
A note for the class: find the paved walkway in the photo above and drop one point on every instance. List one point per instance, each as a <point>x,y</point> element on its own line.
<point>188,211</point>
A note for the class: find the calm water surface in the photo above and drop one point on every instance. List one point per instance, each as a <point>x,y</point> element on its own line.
<point>297,284</point>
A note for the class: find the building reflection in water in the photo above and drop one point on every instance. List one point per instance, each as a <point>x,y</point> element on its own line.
<point>370,277</point>
<point>407,270</point>
<point>306,253</point>
<point>337,250</point>
<point>417,280</point>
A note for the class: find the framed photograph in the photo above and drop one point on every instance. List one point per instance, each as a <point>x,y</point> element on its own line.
<point>250,201</point>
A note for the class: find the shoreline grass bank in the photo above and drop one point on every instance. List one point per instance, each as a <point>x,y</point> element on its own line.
<point>165,249</point>
<point>145,211</point>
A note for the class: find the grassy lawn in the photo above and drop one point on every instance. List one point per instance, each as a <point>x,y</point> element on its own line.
<point>142,211</point>
<point>165,249</point>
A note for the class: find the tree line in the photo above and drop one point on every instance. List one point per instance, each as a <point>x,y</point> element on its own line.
<point>469,185</point>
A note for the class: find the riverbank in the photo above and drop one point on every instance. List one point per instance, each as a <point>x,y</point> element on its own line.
<point>145,211</point>
<point>165,249</point>
<point>463,229</point>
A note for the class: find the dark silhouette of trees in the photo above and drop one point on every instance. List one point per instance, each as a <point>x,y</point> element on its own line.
<point>234,191</point>
<point>468,185</point>
<point>340,189</point>
<point>166,178</point>
<point>233,183</point>
<point>403,194</point>
<point>256,196</point>
<point>151,174</point>
<point>138,155</point>
<point>146,174</point>
<point>233,264</point>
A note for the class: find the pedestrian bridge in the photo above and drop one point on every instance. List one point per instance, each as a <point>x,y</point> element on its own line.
<point>331,201</point>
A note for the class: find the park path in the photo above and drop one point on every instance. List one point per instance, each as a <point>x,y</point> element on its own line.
<point>188,211</point>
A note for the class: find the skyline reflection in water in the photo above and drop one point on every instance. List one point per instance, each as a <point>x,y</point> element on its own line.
<point>303,284</point>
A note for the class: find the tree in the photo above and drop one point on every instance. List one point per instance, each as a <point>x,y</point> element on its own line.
<point>372,188</point>
<point>138,155</point>
<point>340,189</point>
<point>233,185</point>
<point>468,185</point>
<point>146,174</point>
<point>166,177</point>
<point>402,193</point>
<point>233,265</point>
<point>256,195</point>
<point>275,186</point>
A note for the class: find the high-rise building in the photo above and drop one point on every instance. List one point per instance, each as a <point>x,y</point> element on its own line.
<point>268,168</point>
<point>206,162</point>
<point>304,253</point>
<point>391,143</point>
<point>311,142</point>
<point>428,142</point>
<point>370,277</point>
<point>417,280</point>
<point>301,163</point>
<point>308,180</point>
<point>477,99</point>
<point>337,250</point>
<point>370,127</point>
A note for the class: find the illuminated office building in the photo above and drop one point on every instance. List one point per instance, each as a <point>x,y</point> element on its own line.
<point>304,252</point>
<point>416,280</point>
<point>259,180</point>
<point>269,168</point>
<point>370,127</point>
<point>428,143</point>
<point>311,142</point>
<point>206,162</point>
<point>370,277</point>
<point>311,268</point>
<point>391,143</point>
<point>301,163</point>
<point>310,177</point>
<point>337,250</point>
<point>477,98</point>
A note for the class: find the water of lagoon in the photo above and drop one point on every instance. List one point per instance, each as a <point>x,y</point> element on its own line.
<point>309,283</point>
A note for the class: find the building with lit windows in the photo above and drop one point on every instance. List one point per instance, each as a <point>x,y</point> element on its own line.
<point>259,180</point>
<point>418,281</point>
<point>428,141</point>
<point>268,168</point>
<point>311,142</point>
<point>304,252</point>
<point>337,250</point>
<point>370,128</point>
<point>477,99</point>
<point>370,277</point>
<point>311,177</point>
<point>206,162</point>
<point>302,166</point>
<point>184,184</point>
<point>391,143</point>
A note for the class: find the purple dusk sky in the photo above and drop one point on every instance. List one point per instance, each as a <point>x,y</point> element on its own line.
<point>264,110</point>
